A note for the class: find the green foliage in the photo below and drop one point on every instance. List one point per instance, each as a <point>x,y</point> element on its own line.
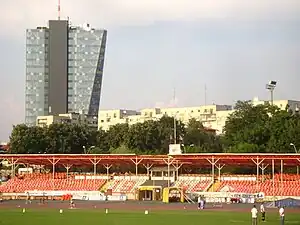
<point>197,139</point>
<point>150,137</point>
<point>28,140</point>
<point>250,129</point>
<point>261,128</point>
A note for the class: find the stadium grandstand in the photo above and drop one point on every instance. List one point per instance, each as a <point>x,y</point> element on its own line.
<point>147,176</point>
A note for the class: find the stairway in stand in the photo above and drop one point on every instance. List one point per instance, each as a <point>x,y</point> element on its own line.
<point>214,187</point>
<point>105,186</point>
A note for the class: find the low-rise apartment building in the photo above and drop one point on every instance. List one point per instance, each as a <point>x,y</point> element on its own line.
<point>212,116</point>
<point>45,121</point>
<point>209,115</point>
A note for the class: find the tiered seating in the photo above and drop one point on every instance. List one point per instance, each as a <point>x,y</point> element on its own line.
<point>285,188</point>
<point>237,186</point>
<point>194,183</point>
<point>287,177</point>
<point>126,185</point>
<point>45,182</point>
<point>289,186</point>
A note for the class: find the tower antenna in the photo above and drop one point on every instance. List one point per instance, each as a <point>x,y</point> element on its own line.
<point>174,97</point>
<point>58,9</point>
<point>175,122</point>
<point>205,94</point>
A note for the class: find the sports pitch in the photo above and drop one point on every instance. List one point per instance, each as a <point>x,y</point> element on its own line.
<point>135,217</point>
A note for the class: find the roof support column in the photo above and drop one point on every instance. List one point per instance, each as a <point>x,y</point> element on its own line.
<point>107,167</point>
<point>281,177</point>
<point>13,166</point>
<point>169,162</point>
<point>177,167</point>
<point>257,162</point>
<point>68,166</point>
<point>95,162</point>
<point>273,178</point>
<point>136,163</point>
<point>213,162</point>
<point>219,167</point>
<point>148,167</point>
<point>298,169</point>
<point>263,168</point>
<point>53,161</point>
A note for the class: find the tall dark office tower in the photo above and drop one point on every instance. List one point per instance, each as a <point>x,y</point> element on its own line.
<point>64,69</point>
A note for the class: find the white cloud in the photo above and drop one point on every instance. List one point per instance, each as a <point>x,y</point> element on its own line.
<point>16,15</point>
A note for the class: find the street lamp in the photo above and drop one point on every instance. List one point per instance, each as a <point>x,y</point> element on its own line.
<point>296,151</point>
<point>183,146</point>
<point>91,148</point>
<point>87,151</point>
<point>271,86</point>
<point>292,144</point>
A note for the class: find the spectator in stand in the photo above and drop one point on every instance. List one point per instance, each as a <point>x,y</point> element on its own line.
<point>254,215</point>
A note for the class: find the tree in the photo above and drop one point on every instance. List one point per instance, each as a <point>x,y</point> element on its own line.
<point>136,137</point>
<point>198,139</point>
<point>117,135</point>
<point>261,128</point>
<point>69,138</point>
<point>166,132</point>
<point>248,125</point>
<point>27,140</point>
<point>285,129</point>
<point>102,142</point>
<point>144,137</point>
<point>122,149</point>
<point>250,129</point>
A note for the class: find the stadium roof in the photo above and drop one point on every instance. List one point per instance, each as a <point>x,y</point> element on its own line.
<point>203,160</point>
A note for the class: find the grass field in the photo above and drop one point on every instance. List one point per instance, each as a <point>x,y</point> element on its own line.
<point>94,217</point>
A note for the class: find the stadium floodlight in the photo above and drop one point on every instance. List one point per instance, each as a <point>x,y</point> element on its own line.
<point>271,86</point>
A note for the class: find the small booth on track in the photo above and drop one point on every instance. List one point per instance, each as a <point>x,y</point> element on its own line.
<point>151,190</point>
<point>173,194</point>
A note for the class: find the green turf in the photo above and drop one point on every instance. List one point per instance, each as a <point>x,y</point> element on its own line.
<point>95,217</point>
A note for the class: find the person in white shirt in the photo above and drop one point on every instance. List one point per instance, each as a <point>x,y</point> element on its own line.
<point>199,202</point>
<point>254,215</point>
<point>281,214</point>
<point>263,212</point>
<point>28,201</point>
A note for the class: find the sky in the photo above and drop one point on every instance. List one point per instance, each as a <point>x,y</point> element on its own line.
<point>233,47</point>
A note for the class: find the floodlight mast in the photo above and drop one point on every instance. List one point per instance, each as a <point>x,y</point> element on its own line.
<point>271,86</point>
